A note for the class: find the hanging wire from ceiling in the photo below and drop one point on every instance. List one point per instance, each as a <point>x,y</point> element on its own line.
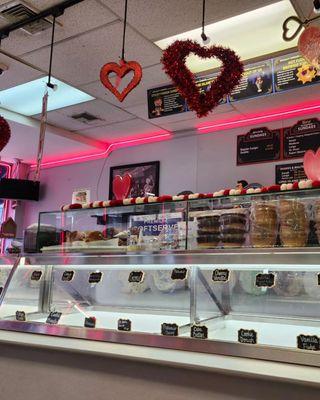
<point>124,29</point>
<point>204,37</point>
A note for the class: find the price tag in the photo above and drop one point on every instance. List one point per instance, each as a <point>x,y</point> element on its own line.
<point>124,325</point>
<point>319,279</point>
<point>67,276</point>
<point>90,322</point>
<point>53,317</point>
<point>248,336</point>
<point>307,342</point>
<point>136,277</point>
<point>20,316</point>
<point>179,274</point>
<point>199,332</point>
<point>169,329</point>
<point>36,275</point>
<point>95,277</point>
<point>265,280</point>
<point>221,275</point>
<point>1,289</point>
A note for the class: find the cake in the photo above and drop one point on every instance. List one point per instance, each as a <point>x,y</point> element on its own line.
<point>317,218</point>
<point>294,223</point>
<point>264,224</point>
<point>233,227</point>
<point>208,234</point>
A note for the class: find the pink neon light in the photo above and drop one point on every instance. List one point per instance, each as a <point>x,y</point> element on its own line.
<point>133,141</point>
<point>275,115</point>
<point>5,205</point>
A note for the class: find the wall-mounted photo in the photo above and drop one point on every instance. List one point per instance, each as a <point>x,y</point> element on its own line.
<point>144,179</point>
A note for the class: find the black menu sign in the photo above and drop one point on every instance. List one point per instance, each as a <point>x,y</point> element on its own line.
<point>179,274</point>
<point>220,275</point>
<point>67,276</point>
<point>90,322</point>
<point>258,145</point>
<point>199,332</point>
<point>20,316</point>
<point>36,275</point>
<point>307,342</point>
<point>292,71</point>
<point>265,280</point>
<point>169,329</point>
<point>303,136</point>
<point>95,277</point>
<point>166,100</point>
<point>248,336</point>
<point>124,325</point>
<point>53,317</point>
<point>136,277</point>
<point>256,81</point>
<point>289,173</point>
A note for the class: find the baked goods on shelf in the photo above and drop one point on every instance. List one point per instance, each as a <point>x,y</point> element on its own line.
<point>264,224</point>
<point>208,234</point>
<point>294,223</point>
<point>233,227</point>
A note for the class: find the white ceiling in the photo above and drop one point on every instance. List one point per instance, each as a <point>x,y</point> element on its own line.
<point>89,35</point>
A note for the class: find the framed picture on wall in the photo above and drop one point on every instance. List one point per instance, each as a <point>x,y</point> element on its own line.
<point>145,178</point>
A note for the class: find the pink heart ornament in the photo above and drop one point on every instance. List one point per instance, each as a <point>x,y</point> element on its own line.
<point>121,186</point>
<point>311,164</point>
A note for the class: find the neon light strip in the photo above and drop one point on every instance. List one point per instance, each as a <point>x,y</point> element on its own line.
<point>261,118</point>
<point>111,147</point>
<point>6,203</point>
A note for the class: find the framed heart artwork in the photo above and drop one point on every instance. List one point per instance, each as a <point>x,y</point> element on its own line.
<point>134,180</point>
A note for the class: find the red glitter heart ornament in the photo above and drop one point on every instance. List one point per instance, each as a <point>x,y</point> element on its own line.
<point>5,133</point>
<point>121,70</point>
<point>121,186</point>
<point>174,61</point>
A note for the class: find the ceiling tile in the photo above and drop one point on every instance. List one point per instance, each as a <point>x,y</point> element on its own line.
<point>151,77</point>
<point>119,130</point>
<point>106,113</point>
<point>76,20</point>
<point>79,60</point>
<point>157,19</point>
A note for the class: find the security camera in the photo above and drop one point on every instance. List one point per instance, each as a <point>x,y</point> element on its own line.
<point>316,6</point>
<point>3,68</point>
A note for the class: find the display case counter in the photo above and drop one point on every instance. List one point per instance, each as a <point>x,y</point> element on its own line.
<point>253,303</point>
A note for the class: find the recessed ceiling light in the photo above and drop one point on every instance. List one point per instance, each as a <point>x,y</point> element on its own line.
<point>26,99</point>
<point>252,34</point>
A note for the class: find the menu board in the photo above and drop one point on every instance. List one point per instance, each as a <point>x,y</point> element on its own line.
<point>166,100</point>
<point>293,71</point>
<point>303,136</point>
<point>256,81</point>
<point>289,173</point>
<point>258,145</point>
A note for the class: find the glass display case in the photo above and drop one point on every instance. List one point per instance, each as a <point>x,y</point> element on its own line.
<point>264,220</point>
<point>253,303</point>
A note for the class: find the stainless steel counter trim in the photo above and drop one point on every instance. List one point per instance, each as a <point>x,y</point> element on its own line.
<point>268,353</point>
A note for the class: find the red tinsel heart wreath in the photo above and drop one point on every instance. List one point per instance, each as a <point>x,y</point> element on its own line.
<point>121,70</point>
<point>5,133</point>
<point>174,61</point>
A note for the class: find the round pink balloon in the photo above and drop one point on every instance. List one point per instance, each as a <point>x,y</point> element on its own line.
<point>311,164</point>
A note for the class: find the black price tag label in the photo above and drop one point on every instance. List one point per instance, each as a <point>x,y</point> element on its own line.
<point>1,289</point>
<point>20,316</point>
<point>95,277</point>
<point>179,274</point>
<point>221,275</point>
<point>36,275</point>
<point>248,336</point>
<point>124,325</point>
<point>169,329</point>
<point>199,332</point>
<point>318,281</point>
<point>53,317</point>
<point>67,276</point>
<point>265,280</point>
<point>307,342</point>
<point>136,277</point>
<point>90,322</point>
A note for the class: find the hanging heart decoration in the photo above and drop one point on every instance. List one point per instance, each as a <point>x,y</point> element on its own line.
<point>174,61</point>
<point>121,71</point>
<point>5,133</point>
<point>309,45</point>
<point>121,186</point>
<point>311,164</point>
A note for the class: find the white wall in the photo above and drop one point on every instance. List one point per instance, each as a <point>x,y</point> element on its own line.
<point>201,163</point>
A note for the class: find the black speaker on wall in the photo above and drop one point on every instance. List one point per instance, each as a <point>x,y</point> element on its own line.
<point>19,189</point>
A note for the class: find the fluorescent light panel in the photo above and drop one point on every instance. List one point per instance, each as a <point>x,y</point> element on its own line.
<point>252,34</point>
<point>26,99</point>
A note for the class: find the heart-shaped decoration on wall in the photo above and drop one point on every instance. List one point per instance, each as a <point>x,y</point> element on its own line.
<point>309,45</point>
<point>121,186</point>
<point>5,133</point>
<point>311,164</point>
<point>174,61</point>
<point>121,71</point>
